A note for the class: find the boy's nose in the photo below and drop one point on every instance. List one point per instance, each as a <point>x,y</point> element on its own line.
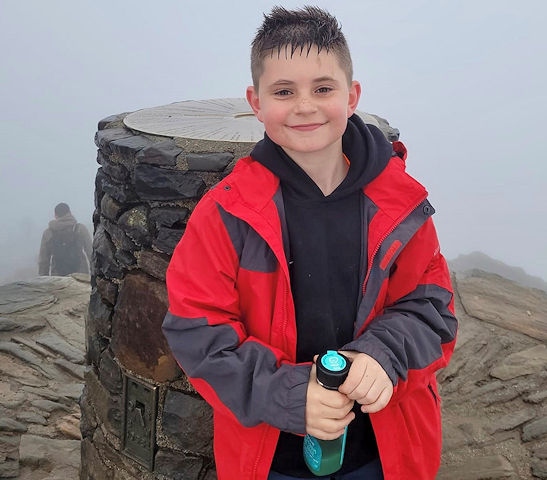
<point>305,105</point>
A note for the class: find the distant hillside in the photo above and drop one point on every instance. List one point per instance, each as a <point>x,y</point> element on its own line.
<point>481,261</point>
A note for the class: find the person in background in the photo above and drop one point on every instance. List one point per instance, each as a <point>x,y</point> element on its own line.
<point>317,240</point>
<point>66,245</point>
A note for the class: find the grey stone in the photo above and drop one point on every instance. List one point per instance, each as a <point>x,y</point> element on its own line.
<point>113,169</point>
<point>10,425</point>
<point>77,371</point>
<point>160,153</point>
<point>58,345</point>
<point>169,217</point>
<point>9,456</point>
<point>119,237</point>
<point>512,420</point>
<point>8,325</point>
<point>110,373</point>
<point>129,147</point>
<point>107,290</point>
<point>27,357</point>
<point>107,407</point>
<point>110,208</point>
<point>121,192</point>
<point>134,223</point>
<point>539,468</point>
<point>188,423</point>
<point>48,406</point>
<point>125,259</point>
<point>103,138</point>
<point>155,183</point>
<point>103,255</point>
<point>537,397</point>
<point>167,239</point>
<point>209,162</point>
<point>521,363</point>
<point>39,451</point>
<point>110,120</point>
<point>19,296</point>
<point>153,263</point>
<point>100,314</point>
<point>177,465</point>
<point>31,417</point>
<point>535,429</point>
<point>479,468</point>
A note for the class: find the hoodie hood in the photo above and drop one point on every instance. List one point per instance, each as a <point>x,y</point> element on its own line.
<point>364,145</point>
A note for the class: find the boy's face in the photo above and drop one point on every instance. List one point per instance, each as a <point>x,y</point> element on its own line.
<point>304,101</point>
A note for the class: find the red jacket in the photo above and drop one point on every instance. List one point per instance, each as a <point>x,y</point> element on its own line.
<point>231,321</point>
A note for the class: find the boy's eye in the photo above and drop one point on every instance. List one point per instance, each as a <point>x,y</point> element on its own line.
<point>282,92</point>
<point>323,89</point>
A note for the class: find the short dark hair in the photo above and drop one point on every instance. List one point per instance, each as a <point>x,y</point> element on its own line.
<point>61,209</point>
<point>299,29</point>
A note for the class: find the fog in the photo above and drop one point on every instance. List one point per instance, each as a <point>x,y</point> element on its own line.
<point>463,81</point>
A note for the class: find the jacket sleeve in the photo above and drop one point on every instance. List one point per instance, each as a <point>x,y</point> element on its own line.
<point>414,330</point>
<point>238,374</point>
<point>44,256</point>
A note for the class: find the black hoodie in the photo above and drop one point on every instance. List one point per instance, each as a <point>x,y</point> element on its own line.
<point>326,257</point>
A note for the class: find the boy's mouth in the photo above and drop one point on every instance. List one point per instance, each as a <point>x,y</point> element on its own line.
<point>306,127</point>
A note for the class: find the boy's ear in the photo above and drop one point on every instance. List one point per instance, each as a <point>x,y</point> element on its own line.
<point>252,99</point>
<point>354,96</point>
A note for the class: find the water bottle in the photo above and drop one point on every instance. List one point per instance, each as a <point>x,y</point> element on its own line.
<point>324,457</point>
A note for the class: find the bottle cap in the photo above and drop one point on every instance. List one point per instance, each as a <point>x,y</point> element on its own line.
<point>332,369</point>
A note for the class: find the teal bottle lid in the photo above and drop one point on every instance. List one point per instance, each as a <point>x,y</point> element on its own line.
<point>332,369</point>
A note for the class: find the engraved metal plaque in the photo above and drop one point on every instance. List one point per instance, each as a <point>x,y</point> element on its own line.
<point>139,421</point>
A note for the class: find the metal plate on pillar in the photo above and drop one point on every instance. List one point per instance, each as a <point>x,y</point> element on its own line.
<point>139,421</point>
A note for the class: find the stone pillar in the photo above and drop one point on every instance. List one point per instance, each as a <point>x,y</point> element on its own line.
<point>141,419</point>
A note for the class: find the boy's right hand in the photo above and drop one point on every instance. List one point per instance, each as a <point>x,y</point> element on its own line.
<point>328,412</point>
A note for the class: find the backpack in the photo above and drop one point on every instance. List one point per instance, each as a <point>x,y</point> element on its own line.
<point>66,251</point>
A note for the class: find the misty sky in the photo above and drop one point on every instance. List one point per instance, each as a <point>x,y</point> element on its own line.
<point>464,81</point>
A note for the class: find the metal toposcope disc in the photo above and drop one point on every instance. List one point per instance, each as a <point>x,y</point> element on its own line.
<point>223,120</point>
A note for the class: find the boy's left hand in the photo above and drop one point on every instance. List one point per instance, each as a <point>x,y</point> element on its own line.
<point>367,383</point>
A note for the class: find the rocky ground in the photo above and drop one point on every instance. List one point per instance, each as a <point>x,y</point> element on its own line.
<point>494,391</point>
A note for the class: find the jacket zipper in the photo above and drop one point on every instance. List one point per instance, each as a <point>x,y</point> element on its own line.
<point>383,239</point>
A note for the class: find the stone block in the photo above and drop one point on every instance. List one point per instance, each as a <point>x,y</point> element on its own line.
<point>168,217</point>
<point>107,290</point>
<point>103,138</point>
<point>137,339</point>
<point>119,238</point>
<point>110,208</point>
<point>187,422</point>
<point>153,263</point>
<point>110,120</point>
<point>167,239</point>
<point>156,183</point>
<point>177,465</point>
<point>110,373</point>
<point>209,162</point>
<point>134,223</point>
<point>128,147</point>
<point>107,407</point>
<point>534,430</point>
<point>112,168</point>
<point>160,153</point>
<point>99,314</point>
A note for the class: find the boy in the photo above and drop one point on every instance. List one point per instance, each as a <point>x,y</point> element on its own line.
<point>318,240</point>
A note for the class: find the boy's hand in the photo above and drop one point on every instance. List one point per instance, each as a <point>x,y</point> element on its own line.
<point>328,412</point>
<point>367,383</point>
